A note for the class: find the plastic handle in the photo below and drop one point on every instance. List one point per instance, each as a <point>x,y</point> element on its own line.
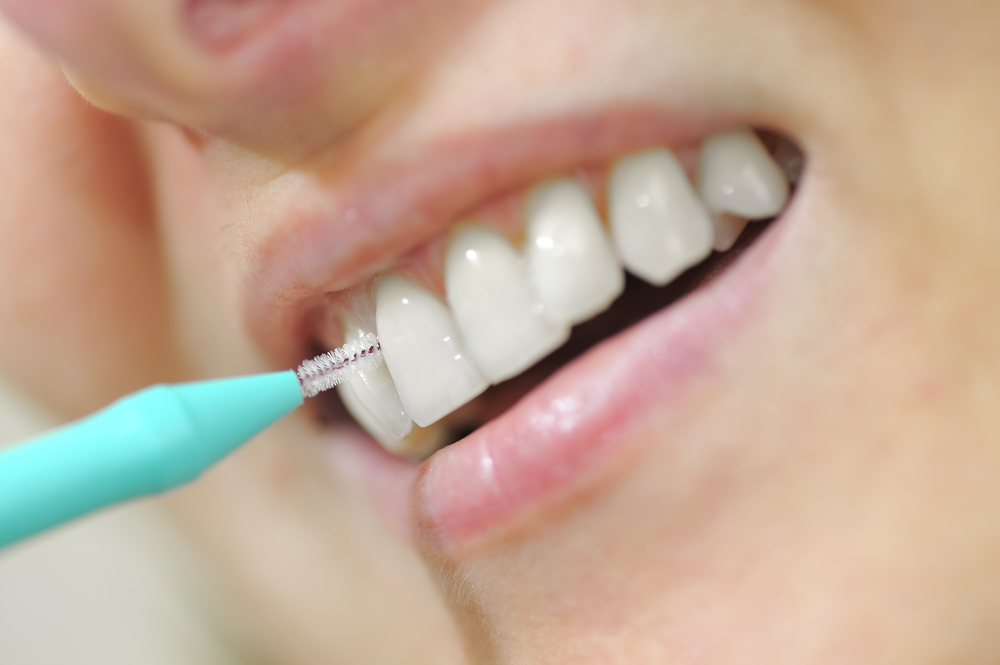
<point>145,443</point>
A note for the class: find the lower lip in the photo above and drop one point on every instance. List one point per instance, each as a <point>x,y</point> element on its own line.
<point>572,432</point>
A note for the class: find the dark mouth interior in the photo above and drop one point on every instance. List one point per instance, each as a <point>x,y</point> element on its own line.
<point>638,301</point>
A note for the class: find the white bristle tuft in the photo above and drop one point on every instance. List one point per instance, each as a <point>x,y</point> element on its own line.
<point>343,364</point>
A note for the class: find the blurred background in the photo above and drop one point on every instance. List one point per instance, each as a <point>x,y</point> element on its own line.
<point>120,587</point>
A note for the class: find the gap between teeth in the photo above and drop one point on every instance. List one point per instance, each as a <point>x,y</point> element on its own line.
<point>507,308</point>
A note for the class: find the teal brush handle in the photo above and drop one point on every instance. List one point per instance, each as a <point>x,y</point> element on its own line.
<point>145,443</point>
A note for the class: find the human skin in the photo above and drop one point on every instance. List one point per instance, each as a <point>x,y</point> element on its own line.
<point>812,478</point>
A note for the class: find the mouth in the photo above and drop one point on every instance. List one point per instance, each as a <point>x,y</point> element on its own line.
<point>522,339</point>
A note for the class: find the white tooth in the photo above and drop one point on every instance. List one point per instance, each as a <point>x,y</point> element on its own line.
<point>433,373</point>
<point>369,421</point>
<point>658,223</point>
<point>374,391</point>
<point>727,230</point>
<point>737,175</point>
<point>501,322</point>
<point>570,260</point>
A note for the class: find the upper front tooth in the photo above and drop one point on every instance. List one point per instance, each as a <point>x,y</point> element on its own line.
<point>420,343</point>
<point>737,175</point>
<point>659,225</point>
<point>501,322</point>
<point>372,399</point>
<point>572,266</point>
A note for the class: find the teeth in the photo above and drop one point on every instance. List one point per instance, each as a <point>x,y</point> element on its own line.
<point>571,263</point>
<point>372,399</point>
<point>433,373</point>
<point>508,309</point>
<point>501,321</point>
<point>727,230</point>
<point>371,423</point>
<point>737,175</point>
<point>659,225</point>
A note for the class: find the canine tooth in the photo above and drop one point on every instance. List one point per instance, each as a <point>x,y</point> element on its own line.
<point>501,321</point>
<point>659,225</point>
<point>433,373</point>
<point>737,175</point>
<point>374,390</point>
<point>727,230</point>
<point>571,263</point>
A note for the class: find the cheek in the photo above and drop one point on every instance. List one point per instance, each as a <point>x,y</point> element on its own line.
<point>82,306</point>
<point>203,237</point>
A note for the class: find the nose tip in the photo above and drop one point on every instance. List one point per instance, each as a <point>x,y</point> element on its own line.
<point>276,77</point>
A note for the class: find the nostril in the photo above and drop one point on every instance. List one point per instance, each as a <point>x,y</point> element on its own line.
<point>218,25</point>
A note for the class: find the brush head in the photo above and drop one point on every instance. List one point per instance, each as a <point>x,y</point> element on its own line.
<point>332,368</point>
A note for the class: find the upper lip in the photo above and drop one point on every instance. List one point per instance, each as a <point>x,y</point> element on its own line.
<point>361,212</point>
<point>359,217</point>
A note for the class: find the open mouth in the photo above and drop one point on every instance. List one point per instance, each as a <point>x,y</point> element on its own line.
<point>488,331</point>
<point>530,283</point>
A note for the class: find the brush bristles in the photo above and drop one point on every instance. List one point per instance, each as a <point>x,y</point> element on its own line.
<point>335,367</point>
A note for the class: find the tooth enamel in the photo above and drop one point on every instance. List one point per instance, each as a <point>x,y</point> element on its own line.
<point>659,225</point>
<point>572,266</point>
<point>737,175</point>
<point>501,322</point>
<point>369,421</point>
<point>374,394</point>
<point>433,373</point>
<point>727,229</point>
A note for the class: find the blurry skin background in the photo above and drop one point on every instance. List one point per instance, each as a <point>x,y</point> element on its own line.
<point>824,489</point>
<point>117,588</point>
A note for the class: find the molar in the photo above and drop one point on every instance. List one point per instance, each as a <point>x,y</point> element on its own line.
<point>501,321</point>
<point>571,263</point>
<point>659,225</point>
<point>372,399</point>
<point>433,373</point>
<point>737,175</point>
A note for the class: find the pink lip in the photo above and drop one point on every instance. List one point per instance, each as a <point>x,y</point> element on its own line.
<point>572,431</point>
<point>384,209</point>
